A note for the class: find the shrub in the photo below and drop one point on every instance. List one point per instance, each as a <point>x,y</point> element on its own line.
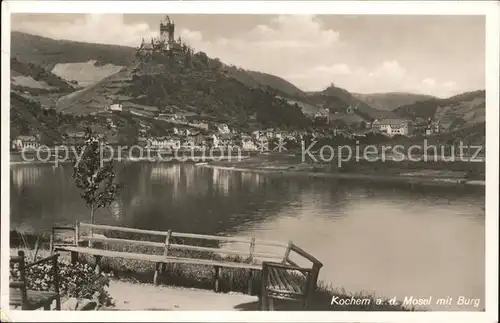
<point>79,281</point>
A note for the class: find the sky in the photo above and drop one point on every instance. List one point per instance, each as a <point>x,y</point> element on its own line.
<point>437,55</point>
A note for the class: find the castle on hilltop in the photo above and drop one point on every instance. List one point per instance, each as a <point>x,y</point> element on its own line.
<point>165,44</point>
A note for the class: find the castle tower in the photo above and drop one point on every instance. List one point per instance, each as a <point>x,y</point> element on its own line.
<point>167,30</point>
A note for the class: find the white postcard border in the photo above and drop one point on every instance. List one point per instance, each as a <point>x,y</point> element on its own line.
<point>490,9</point>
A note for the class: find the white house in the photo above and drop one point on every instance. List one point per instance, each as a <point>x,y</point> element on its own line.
<point>25,143</point>
<point>223,128</point>
<point>225,140</point>
<point>434,127</point>
<point>248,144</point>
<point>323,113</point>
<point>173,143</point>
<point>392,127</point>
<point>215,141</point>
<point>343,132</point>
<point>163,143</point>
<point>185,132</point>
<point>114,107</point>
<point>269,133</point>
<point>188,142</point>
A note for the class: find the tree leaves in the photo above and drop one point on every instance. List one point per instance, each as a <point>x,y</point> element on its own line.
<point>78,280</point>
<point>93,175</point>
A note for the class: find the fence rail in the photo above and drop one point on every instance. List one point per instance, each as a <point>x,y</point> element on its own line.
<point>177,234</point>
<point>284,255</point>
<point>253,258</point>
<point>251,252</point>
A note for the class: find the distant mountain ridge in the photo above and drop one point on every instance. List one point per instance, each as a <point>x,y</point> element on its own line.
<point>187,83</point>
<point>48,53</point>
<point>389,101</point>
<point>338,100</point>
<point>111,72</point>
<point>460,111</point>
<point>54,53</point>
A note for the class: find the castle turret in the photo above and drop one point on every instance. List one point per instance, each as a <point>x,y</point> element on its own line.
<point>167,31</point>
<point>166,43</point>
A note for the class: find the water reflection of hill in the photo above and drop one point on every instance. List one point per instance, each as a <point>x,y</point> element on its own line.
<point>194,199</point>
<point>42,196</point>
<point>252,180</point>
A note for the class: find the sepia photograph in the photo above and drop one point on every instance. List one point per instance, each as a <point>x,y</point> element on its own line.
<point>177,160</point>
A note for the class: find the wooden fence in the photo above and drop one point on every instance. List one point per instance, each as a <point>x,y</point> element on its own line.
<point>162,249</point>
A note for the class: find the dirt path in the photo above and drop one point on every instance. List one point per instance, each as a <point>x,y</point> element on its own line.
<point>135,296</point>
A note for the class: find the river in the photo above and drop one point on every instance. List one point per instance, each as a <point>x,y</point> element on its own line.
<point>378,239</point>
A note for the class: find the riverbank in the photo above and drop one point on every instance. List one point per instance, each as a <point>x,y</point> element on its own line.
<point>17,160</point>
<point>190,288</point>
<point>411,173</point>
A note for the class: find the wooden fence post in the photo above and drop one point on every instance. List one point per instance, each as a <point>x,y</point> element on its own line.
<point>157,272</point>
<point>167,243</point>
<point>315,272</point>
<point>74,257</point>
<point>51,243</point>
<point>22,278</point>
<point>305,300</point>
<point>287,252</point>
<point>263,299</point>
<point>312,280</point>
<point>231,278</point>
<point>77,233</point>
<point>216,278</point>
<point>250,281</point>
<point>55,268</point>
<point>252,249</point>
<point>98,264</point>
<point>91,235</point>
<point>271,304</point>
